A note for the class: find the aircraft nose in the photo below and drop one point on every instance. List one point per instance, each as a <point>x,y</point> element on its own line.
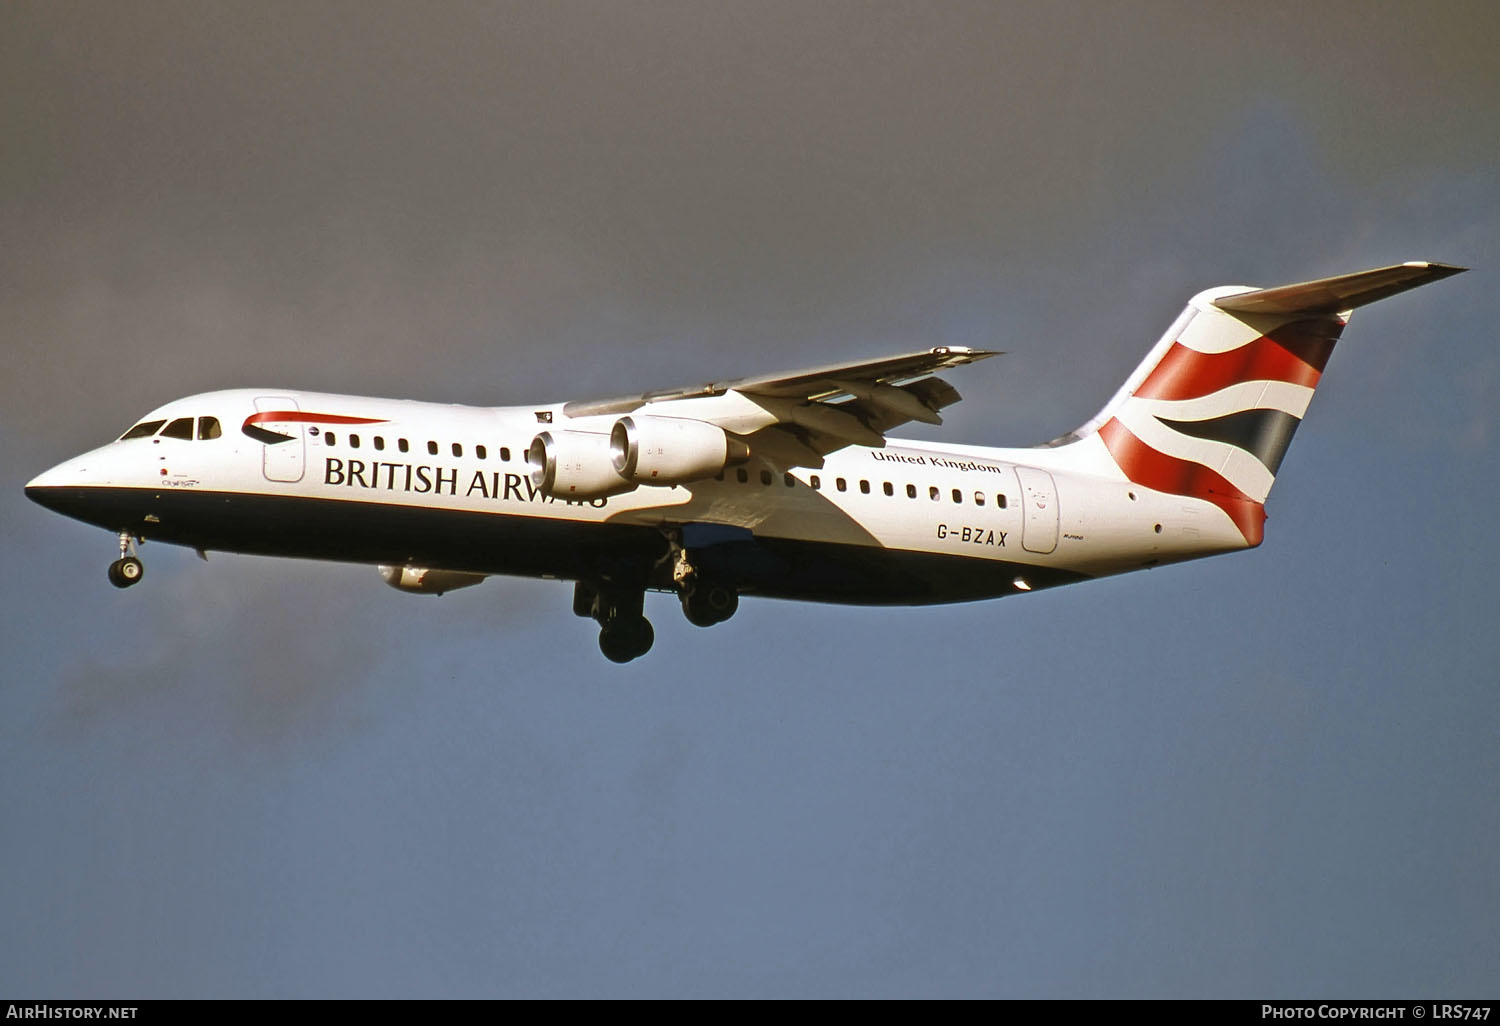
<point>40,494</point>
<point>58,488</point>
<point>44,488</point>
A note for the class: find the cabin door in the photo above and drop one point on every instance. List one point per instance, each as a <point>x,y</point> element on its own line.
<point>1039,497</point>
<point>283,460</point>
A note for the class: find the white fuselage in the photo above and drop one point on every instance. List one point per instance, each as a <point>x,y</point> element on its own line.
<point>378,480</point>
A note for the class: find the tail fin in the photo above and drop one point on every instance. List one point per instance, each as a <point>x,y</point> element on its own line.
<point>1211,410</point>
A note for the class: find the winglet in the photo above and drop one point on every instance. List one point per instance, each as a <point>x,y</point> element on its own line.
<point>1336,295</point>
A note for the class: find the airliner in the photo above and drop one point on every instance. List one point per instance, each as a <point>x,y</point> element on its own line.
<point>783,486</point>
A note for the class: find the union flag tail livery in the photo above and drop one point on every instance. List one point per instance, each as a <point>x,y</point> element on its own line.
<point>1211,410</point>
<point>779,486</point>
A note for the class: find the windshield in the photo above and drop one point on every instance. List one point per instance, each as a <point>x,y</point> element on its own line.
<point>142,430</point>
<point>182,427</point>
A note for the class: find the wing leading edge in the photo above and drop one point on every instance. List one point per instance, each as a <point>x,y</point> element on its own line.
<point>795,419</point>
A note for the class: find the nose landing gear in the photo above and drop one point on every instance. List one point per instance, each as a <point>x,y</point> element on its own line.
<point>126,570</point>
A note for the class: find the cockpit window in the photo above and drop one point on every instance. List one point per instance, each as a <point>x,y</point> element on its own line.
<point>182,427</point>
<point>144,429</point>
<point>208,427</point>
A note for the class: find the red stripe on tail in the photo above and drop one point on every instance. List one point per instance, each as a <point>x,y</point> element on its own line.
<point>1153,469</point>
<point>1184,373</point>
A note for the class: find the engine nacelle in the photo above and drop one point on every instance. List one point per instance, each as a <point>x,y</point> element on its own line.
<point>669,451</point>
<point>574,465</point>
<point>427,582</point>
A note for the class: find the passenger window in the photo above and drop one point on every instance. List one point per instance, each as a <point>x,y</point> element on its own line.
<point>354,441</point>
<point>182,428</point>
<point>481,452</point>
<point>145,429</point>
<point>888,489</point>
<point>911,491</point>
<point>933,493</point>
<point>401,444</point>
<point>791,482</point>
<point>815,481</point>
<point>979,498</point>
<point>958,496</point>
<point>1000,501</point>
<point>329,438</point>
<point>719,476</point>
<point>379,442</point>
<point>505,454</point>
<point>864,487</point>
<point>458,450</point>
<point>742,475</point>
<point>432,448</point>
<point>208,427</point>
<point>841,484</point>
<point>765,477</point>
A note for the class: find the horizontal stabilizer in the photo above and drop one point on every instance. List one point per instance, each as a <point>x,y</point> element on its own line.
<point>1335,295</point>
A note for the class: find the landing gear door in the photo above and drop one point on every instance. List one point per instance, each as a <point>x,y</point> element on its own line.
<point>283,460</point>
<point>1039,496</point>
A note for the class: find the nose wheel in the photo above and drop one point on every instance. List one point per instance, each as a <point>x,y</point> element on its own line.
<point>128,569</point>
<point>125,572</point>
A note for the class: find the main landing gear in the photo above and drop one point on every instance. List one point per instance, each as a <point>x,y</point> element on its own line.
<point>624,633</point>
<point>128,569</point>
<point>705,600</point>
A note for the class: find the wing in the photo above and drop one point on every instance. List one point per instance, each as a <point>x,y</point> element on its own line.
<point>796,419</point>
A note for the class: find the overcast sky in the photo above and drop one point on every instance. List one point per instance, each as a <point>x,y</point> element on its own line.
<point>1274,773</point>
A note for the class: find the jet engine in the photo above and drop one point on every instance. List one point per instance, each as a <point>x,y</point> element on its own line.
<point>669,451</point>
<point>427,582</point>
<point>574,465</point>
